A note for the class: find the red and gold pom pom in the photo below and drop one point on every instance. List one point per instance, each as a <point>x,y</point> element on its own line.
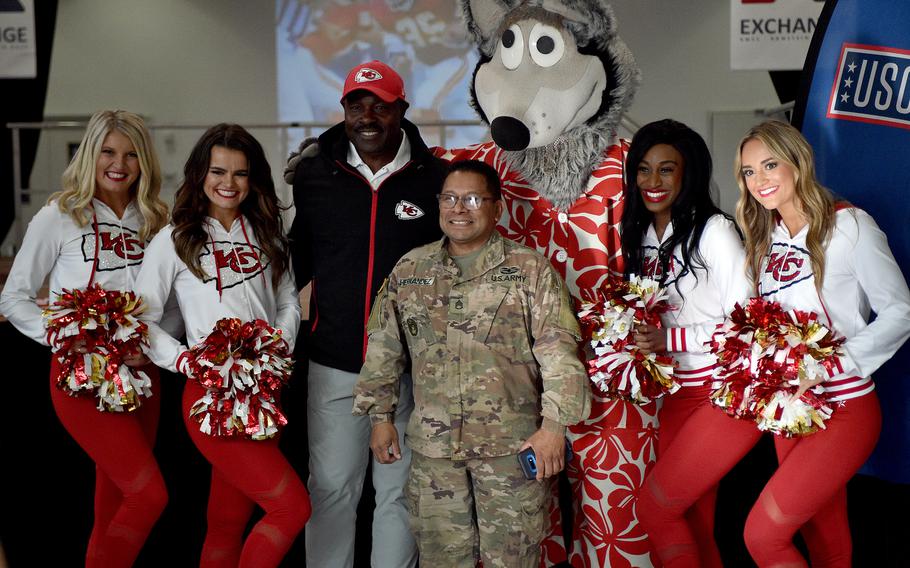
<point>243,366</point>
<point>615,365</point>
<point>105,325</point>
<point>764,355</point>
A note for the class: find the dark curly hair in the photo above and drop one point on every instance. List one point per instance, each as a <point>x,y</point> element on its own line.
<point>689,212</point>
<point>261,207</point>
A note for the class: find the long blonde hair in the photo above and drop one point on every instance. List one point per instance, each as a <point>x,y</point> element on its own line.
<point>79,176</point>
<point>815,202</point>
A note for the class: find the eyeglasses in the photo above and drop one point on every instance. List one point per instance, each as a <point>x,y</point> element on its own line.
<point>470,201</point>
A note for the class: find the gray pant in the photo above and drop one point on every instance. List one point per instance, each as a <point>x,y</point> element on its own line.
<point>339,450</point>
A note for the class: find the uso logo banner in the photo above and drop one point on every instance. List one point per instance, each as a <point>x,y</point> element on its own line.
<point>872,85</point>
<point>854,108</point>
<point>771,34</point>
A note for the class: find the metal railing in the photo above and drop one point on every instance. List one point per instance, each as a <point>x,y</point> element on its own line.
<point>780,111</point>
<point>22,191</point>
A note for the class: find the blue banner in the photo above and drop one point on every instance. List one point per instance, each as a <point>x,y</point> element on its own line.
<point>854,108</point>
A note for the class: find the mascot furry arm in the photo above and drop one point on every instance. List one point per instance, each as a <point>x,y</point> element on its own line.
<point>553,82</point>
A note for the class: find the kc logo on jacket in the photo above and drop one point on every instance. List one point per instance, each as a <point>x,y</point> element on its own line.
<point>785,266</point>
<point>651,268</point>
<point>115,249</point>
<point>233,265</point>
<point>405,210</point>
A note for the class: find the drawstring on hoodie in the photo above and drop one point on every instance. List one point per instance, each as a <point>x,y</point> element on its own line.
<point>126,263</point>
<point>256,256</point>
<point>821,301</point>
<point>91,278</point>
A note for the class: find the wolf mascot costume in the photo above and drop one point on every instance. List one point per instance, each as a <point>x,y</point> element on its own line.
<point>552,82</point>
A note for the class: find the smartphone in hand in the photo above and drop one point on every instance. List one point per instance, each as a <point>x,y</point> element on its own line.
<point>528,461</point>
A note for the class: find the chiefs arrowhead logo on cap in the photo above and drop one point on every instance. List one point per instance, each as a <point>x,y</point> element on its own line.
<point>367,75</point>
<point>377,78</point>
<point>405,210</point>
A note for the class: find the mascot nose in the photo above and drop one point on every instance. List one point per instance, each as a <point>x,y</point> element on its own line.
<point>510,133</point>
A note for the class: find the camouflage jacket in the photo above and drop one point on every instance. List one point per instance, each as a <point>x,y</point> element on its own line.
<point>493,352</point>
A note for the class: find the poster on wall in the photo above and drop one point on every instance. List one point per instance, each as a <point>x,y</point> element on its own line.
<point>17,39</point>
<point>771,35</point>
<point>854,110</point>
<point>319,41</point>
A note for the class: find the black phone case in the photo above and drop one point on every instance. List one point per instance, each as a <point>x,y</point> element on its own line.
<point>528,461</point>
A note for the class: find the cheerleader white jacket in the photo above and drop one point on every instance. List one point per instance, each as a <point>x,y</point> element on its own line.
<point>861,275</point>
<point>106,251</point>
<point>703,297</point>
<point>238,284</point>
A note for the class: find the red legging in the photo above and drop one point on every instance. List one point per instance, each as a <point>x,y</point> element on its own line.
<point>806,492</point>
<point>129,490</point>
<point>676,409</point>
<point>246,473</point>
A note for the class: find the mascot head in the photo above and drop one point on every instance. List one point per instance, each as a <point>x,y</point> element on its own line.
<point>553,82</point>
<point>548,67</point>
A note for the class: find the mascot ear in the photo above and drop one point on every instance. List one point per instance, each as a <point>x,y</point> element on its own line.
<point>483,18</point>
<point>591,21</point>
<point>561,8</point>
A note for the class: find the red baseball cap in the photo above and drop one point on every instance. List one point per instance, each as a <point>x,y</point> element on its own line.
<point>377,78</point>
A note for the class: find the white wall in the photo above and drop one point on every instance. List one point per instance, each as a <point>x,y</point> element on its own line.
<point>683,49</point>
<point>175,60</point>
<point>207,61</point>
<point>172,61</point>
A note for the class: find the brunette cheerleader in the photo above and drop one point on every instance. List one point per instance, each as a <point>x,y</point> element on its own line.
<point>225,256</point>
<point>673,232</point>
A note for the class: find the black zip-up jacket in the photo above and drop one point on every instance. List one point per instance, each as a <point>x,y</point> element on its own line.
<point>346,238</point>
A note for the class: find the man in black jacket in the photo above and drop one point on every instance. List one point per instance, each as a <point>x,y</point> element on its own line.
<point>365,194</point>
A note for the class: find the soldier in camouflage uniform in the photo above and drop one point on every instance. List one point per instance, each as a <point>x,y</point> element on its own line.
<point>492,340</point>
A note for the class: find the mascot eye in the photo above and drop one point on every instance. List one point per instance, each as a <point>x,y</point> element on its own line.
<point>508,39</point>
<point>512,47</point>
<point>546,45</point>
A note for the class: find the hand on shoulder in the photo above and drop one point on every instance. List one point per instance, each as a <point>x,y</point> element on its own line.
<point>308,149</point>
